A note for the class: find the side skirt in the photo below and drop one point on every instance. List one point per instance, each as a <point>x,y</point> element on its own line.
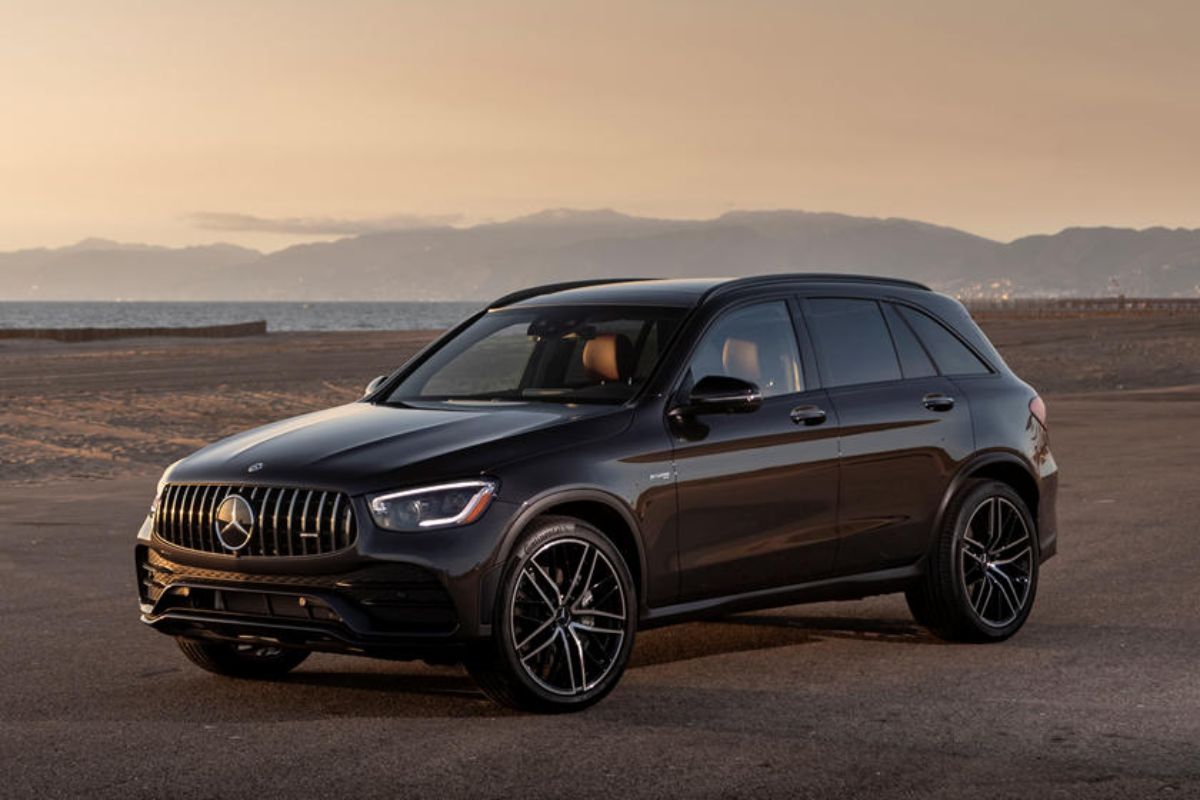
<point>847,587</point>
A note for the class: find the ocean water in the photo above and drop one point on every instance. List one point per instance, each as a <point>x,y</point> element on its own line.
<point>316,316</point>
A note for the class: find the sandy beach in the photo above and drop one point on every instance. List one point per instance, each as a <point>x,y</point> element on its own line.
<point>130,407</point>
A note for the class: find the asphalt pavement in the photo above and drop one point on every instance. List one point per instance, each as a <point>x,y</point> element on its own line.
<point>1099,695</point>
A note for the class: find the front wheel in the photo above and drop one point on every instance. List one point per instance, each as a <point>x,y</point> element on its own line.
<point>564,621</point>
<point>242,660</point>
<point>983,569</point>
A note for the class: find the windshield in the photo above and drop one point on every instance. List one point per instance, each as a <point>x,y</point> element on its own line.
<point>566,354</point>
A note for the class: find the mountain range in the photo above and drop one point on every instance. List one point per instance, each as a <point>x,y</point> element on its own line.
<point>485,260</point>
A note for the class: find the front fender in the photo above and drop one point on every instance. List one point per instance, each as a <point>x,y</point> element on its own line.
<point>538,505</point>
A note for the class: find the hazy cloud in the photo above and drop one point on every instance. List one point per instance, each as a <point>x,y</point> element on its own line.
<point>319,226</point>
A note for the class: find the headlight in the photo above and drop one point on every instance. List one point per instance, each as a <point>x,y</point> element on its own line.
<point>441,506</point>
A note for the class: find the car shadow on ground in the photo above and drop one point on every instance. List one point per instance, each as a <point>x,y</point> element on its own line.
<point>762,632</point>
<point>401,691</point>
<point>734,634</point>
<point>343,687</point>
<point>897,631</point>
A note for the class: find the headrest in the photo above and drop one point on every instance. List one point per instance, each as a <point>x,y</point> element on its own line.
<point>608,357</point>
<point>740,359</point>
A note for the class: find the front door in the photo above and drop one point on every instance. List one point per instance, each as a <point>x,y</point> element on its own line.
<point>757,492</point>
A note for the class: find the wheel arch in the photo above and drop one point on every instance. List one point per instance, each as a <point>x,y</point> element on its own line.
<point>1008,468</point>
<point>603,510</point>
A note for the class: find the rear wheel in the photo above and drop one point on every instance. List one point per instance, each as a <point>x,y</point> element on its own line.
<point>242,660</point>
<point>983,571</point>
<point>564,621</point>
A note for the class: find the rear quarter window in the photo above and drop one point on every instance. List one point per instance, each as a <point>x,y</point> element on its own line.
<point>914,361</point>
<point>949,353</point>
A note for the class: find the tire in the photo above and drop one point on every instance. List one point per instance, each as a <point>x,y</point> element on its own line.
<point>242,661</point>
<point>564,621</point>
<point>982,574</point>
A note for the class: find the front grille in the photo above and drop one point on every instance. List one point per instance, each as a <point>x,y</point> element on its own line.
<point>287,522</point>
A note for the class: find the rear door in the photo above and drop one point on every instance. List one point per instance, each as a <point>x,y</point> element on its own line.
<point>902,429</point>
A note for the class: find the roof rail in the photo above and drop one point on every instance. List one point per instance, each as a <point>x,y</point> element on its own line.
<point>812,277</point>
<point>549,288</point>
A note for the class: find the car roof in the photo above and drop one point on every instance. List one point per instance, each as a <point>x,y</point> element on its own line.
<point>633,291</point>
<point>685,292</point>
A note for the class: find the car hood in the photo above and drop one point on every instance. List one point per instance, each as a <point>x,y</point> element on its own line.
<point>363,447</point>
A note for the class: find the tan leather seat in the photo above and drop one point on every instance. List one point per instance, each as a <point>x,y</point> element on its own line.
<point>739,357</point>
<point>608,357</point>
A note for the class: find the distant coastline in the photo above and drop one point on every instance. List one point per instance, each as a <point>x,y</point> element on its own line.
<point>71,335</point>
<point>279,316</point>
<point>58,319</point>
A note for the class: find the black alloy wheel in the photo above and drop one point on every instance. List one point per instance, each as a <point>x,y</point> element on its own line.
<point>564,624</point>
<point>983,570</point>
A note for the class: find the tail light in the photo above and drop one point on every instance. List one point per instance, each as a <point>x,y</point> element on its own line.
<point>1037,407</point>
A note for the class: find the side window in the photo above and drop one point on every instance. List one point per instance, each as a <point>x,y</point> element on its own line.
<point>755,343</point>
<point>914,361</point>
<point>952,356</point>
<point>853,340</point>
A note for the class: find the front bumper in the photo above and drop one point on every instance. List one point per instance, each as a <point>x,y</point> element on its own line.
<point>390,595</point>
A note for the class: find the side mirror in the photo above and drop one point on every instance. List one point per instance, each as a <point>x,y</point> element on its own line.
<point>721,394</point>
<point>374,385</point>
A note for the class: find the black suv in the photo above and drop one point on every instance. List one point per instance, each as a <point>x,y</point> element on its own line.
<point>580,461</point>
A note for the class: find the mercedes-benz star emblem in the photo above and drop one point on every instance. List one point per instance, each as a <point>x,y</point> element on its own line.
<point>234,522</point>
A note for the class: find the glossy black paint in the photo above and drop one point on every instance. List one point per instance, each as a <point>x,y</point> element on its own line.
<point>757,496</point>
<point>897,457</point>
<point>827,493</point>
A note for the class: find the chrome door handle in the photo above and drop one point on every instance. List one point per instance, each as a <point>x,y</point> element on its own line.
<point>936,401</point>
<point>807,415</point>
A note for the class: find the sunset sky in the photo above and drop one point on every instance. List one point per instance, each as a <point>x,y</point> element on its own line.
<point>266,123</point>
